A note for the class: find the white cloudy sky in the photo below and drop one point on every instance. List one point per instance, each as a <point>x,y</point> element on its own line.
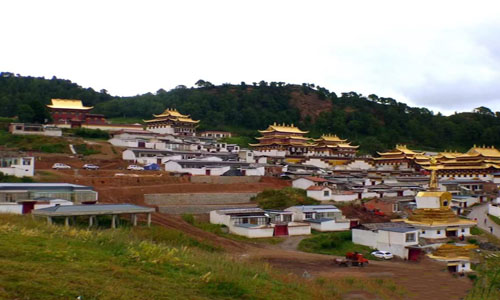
<point>444,55</point>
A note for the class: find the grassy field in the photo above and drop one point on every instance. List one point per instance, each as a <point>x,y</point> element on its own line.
<point>494,219</point>
<point>333,243</point>
<point>34,143</point>
<point>40,261</point>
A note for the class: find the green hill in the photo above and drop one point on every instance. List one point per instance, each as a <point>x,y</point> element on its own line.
<point>377,123</point>
<point>53,262</point>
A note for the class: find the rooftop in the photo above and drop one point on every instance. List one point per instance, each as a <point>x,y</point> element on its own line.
<point>68,104</point>
<point>29,186</point>
<point>92,209</point>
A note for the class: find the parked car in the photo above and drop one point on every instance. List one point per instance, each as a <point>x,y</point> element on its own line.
<point>60,166</point>
<point>382,254</point>
<point>135,168</point>
<point>90,167</point>
<point>152,167</point>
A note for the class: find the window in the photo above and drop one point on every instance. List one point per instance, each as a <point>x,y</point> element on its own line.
<point>309,215</point>
<point>423,231</point>
<point>287,218</point>
<point>463,265</point>
<point>439,232</point>
<point>410,237</point>
<point>326,193</point>
<point>463,230</point>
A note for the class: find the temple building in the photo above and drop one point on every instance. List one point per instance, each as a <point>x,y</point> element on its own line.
<point>333,146</point>
<point>399,158</point>
<point>172,122</point>
<point>283,140</point>
<point>477,163</point>
<point>456,257</point>
<point>73,113</point>
<point>433,215</point>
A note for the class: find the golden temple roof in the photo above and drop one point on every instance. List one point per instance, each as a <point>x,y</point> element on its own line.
<point>68,104</point>
<point>484,151</point>
<point>400,149</point>
<point>453,252</point>
<point>171,112</point>
<point>283,137</point>
<point>283,128</point>
<point>330,138</point>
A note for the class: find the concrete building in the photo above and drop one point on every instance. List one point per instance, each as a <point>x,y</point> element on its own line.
<point>16,165</point>
<point>321,217</point>
<point>258,223</point>
<point>34,129</point>
<point>18,192</point>
<point>398,238</point>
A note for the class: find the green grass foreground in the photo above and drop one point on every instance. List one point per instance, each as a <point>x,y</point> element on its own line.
<point>40,261</point>
<point>334,243</point>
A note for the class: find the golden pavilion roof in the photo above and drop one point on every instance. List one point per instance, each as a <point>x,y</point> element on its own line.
<point>330,138</point>
<point>484,151</point>
<point>283,137</point>
<point>400,149</point>
<point>171,112</point>
<point>283,128</point>
<point>453,252</point>
<point>68,104</point>
<point>173,115</point>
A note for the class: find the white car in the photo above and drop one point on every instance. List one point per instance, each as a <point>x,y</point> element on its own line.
<point>60,166</point>
<point>90,167</point>
<point>135,168</point>
<point>382,254</point>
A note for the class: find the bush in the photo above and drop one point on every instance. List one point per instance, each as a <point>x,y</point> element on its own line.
<point>14,179</point>
<point>189,218</point>
<point>281,199</point>
<point>472,241</point>
<point>91,133</point>
<point>475,231</point>
<point>83,149</point>
<point>494,219</point>
<point>334,243</point>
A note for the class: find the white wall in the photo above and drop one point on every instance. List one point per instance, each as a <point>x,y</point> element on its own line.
<point>302,183</point>
<point>394,242</point>
<point>222,219</point>
<point>11,208</point>
<point>271,153</point>
<point>433,233</point>
<point>318,163</point>
<point>162,130</point>
<point>253,232</point>
<point>299,228</point>
<point>494,210</point>
<point>344,197</point>
<point>260,171</point>
<point>364,237</point>
<point>331,226</point>
<point>428,202</point>
<point>319,195</point>
<point>359,165</point>
<point>20,169</point>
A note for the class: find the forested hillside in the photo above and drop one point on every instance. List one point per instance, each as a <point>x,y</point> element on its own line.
<point>377,123</point>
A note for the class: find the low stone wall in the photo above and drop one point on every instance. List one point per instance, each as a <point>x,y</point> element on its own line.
<point>198,209</point>
<point>225,179</point>
<point>197,198</point>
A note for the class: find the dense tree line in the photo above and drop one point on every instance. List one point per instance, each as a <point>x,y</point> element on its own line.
<point>376,123</point>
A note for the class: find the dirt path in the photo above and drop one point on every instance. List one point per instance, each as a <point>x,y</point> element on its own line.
<point>480,212</point>
<point>425,279</point>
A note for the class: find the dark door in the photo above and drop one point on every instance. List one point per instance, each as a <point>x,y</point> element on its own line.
<point>451,233</point>
<point>280,230</point>
<point>413,254</point>
<point>28,207</point>
<point>452,269</point>
<point>207,172</point>
<point>142,144</point>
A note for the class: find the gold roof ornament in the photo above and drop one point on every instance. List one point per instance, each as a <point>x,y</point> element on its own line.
<point>68,104</point>
<point>283,128</point>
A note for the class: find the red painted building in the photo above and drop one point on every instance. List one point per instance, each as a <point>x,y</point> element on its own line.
<point>69,111</point>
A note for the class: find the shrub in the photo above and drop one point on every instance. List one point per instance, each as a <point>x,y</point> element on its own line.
<point>281,199</point>
<point>91,133</point>
<point>473,241</point>
<point>189,218</point>
<point>475,231</point>
<point>14,179</point>
<point>494,219</point>
<point>83,149</point>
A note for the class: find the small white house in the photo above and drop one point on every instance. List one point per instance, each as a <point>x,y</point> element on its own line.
<point>17,208</point>
<point>18,166</point>
<point>321,193</point>
<point>306,182</point>
<point>397,238</point>
<point>34,129</point>
<point>258,223</point>
<point>321,217</point>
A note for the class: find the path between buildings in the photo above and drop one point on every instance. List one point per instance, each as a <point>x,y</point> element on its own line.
<point>480,212</point>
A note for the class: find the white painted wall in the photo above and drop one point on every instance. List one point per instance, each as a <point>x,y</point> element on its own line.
<point>21,169</point>
<point>428,202</point>
<point>318,163</point>
<point>270,153</point>
<point>364,237</point>
<point>394,242</point>
<point>253,232</point>
<point>331,226</point>
<point>359,165</point>
<point>302,183</point>
<point>494,210</point>
<point>344,197</point>
<point>161,130</point>
<point>299,228</point>
<point>320,195</point>
<point>259,171</point>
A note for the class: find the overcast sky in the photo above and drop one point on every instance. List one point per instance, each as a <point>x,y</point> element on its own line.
<point>444,55</point>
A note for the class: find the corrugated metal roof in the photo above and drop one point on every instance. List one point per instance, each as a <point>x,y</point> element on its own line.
<point>92,209</point>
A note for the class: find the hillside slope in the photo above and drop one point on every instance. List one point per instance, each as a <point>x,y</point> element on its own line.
<point>377,123</point>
